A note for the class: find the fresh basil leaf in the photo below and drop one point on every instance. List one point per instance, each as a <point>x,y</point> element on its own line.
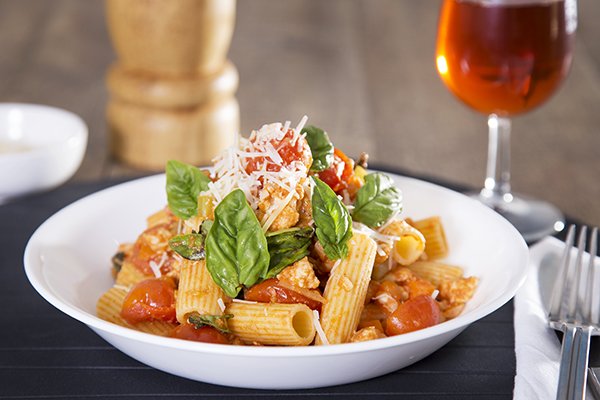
<point>332,220</point>
<point>184,183</point>
<point>320,147</point>
<point>236,248</point>
<point>377,200</point>
<point>190,246</point>
<point>286,247</point>
<point>216,321</point>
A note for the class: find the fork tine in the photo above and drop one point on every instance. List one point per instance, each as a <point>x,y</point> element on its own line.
<point>559,284</point>
<point>574,311</point>
<point>575,283</point>
<point>589,289</point>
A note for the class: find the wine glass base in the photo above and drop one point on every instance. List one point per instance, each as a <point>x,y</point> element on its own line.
<point>534,219</point>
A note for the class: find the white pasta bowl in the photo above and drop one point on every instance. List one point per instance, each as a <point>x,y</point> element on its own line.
<point>72,273</point>
<point>40,148</point>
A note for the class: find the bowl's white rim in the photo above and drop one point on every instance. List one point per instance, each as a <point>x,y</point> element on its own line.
<point>80,132</point>
<point>458,323</point>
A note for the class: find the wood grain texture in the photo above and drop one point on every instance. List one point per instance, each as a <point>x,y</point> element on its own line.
<point>361,69</point>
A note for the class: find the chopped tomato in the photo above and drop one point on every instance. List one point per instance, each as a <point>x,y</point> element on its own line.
<point>206,334</point>
<point>152,246</point>
<point>270,291</point>
<point>339,173</point>
<point>149,300</point>
<point>289,151</point>
<point>417,313</point>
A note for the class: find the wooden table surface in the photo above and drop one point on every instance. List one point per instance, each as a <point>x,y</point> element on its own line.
<point>363,70</point>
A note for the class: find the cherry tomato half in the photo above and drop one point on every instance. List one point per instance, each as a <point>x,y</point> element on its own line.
<point>339,173</point>
<point>206,334</point>
<point>417,313</point>
<point>270,291</point>
<point>149,300</point>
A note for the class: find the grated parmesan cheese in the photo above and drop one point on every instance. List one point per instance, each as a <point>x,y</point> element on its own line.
<point>383,297</point>
<point>229,169</point>
<point>434,294</point>
<point>156,267</point>
<point>390,239</point>
<point>221,304</point>
<point>301,124</point>
<point>390,220</point>
<point>319,328</point>
<point>244,301</point>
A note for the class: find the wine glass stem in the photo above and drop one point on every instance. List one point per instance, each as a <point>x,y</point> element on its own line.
<point>497,181</point>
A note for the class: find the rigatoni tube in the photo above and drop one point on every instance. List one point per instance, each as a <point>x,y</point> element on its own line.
<point>410,243</point>
<point>435,237</point>
<point>197,291</point>
<point>272,323</point>
<point>346,290</point>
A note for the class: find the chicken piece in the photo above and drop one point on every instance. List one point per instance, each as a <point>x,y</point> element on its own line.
<point>458,290</point>
<point>398,292</point>
<point>451,311</point>
<point>368,333</point>
<point>454,294</point>
<point>387,302</point>
<point>271,198</point>
<point>324,263</point>
<point>300,274</point>
<point>400,275</point>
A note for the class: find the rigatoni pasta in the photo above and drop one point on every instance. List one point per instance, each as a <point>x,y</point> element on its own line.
<point>197,292</point>
<point>284,242</point>
<point>410,243</point>
<point>435,238</point>
<point>346,290</point>
<point>272,323</point>
<point>436,272</point>
<point>129,274</point>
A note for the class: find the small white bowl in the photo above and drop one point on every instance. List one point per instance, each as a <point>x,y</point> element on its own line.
<point>40,148</point>
<point>72,273</point>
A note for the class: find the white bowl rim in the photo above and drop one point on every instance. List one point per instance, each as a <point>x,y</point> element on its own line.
<point>80,132</point>
<point>458,323</point>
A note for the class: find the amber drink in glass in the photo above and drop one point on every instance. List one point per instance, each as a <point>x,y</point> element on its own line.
<point>503,58</point>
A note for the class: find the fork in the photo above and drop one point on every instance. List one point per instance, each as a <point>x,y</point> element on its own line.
<point>574,314</point>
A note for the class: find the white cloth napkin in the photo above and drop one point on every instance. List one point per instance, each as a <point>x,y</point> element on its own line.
<point>536,345</point>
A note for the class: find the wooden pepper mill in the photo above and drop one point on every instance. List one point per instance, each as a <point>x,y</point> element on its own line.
<point>172,90</point>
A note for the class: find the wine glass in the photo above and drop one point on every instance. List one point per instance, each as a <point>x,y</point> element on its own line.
<point>503,58</point>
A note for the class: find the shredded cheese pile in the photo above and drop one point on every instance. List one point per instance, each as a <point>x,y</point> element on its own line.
<point>229,170</point>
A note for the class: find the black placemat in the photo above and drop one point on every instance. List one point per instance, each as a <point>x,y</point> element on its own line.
<point>45,354</point>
